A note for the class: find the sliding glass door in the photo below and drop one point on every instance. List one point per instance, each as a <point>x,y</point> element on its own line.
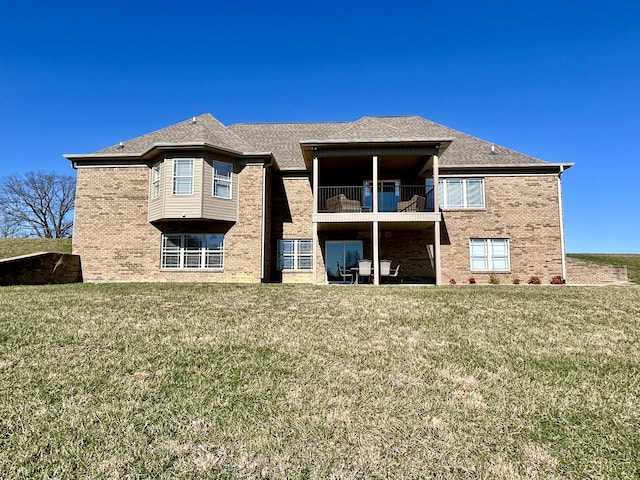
<point>388,195</point>
<point>346,253</point>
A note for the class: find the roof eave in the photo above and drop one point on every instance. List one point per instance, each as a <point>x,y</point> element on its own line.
<point>164,147</point>
<point>552,167</point>
<point>309,146</point>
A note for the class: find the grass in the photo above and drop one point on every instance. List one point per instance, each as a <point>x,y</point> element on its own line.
<point>631,261</point>
<point>278,381</point>
<point>14,247</point>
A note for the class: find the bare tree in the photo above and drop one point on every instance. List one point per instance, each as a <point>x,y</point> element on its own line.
<point>37,204</point>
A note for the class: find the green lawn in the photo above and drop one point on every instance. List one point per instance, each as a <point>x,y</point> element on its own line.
<point>631,261</point>
<point>279,381</point>
<point>14,247</point>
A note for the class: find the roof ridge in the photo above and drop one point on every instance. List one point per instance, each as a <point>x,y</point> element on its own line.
<point>288,123</point>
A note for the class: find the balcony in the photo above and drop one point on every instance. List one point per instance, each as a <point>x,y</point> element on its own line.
<point>392,197</point>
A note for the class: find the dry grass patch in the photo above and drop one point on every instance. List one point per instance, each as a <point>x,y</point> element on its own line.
<point>276,381</point>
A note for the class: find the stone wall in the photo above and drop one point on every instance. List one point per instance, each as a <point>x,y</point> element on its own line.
<point>40,269</point>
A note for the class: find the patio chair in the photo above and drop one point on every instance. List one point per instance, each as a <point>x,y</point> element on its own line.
<point>340,203</point>
<point>344,273</point>
<point>386,271</point>
<point>415,204</point>
<point>364,270</point>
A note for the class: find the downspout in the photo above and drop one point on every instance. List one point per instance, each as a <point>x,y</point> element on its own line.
<point>561,217</point>
<point>264,219</point>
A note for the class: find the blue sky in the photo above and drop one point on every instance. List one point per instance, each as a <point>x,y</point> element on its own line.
<point>556,80</point>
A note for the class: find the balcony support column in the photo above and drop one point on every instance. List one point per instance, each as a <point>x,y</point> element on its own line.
<point>374,187</point>
<point>315,225</point>
<point>436,225</point>
<point>376,253</point>
<point>315,184</point>
<point>376,226</point>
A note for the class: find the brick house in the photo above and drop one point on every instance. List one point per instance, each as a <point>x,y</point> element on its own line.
<point>304,202</point>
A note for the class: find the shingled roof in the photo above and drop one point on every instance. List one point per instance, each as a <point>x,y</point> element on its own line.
<point>203,129</point>
<point>282,140</point>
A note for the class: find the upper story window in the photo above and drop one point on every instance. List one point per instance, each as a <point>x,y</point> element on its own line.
<point>489,254</point>
<point>183,176</point>
<point>295,254</point>
<point>222,179</point>
<point>460,192</point>
<point>155,180</point>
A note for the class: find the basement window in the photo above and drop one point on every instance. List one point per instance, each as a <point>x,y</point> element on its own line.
<point>489,254</point>
<point>193,251</point>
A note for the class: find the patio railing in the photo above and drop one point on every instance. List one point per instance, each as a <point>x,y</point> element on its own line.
<point>398,198</point>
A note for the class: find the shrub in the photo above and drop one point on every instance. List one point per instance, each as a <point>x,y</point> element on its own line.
<point>494,279</point>
<point>472,280</point>
<point>557,280</point>
<point>452,281</point>
<point>533,280</point>
<point>516,281</point>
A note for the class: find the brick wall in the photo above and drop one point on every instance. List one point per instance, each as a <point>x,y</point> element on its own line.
<point>117,243</point>
<point>591,273</point>
<point>292,208</point>
<point>523,209</point>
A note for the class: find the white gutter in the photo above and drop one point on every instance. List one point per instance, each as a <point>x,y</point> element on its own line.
<point>561,217</point>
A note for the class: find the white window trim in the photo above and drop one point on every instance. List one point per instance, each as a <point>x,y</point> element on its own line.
<point>182,250</point>
<point>220,179</point>
<point>465,193</point>
<point>175,161</point>
<point>489,258</point>
<point>296,255</point>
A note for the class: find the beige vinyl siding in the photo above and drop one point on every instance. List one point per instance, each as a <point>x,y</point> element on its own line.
<point>156,205</point>
<point>177,205</point>
<point>215,208</point>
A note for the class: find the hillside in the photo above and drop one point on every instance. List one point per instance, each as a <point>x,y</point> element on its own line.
<point>14,247</point>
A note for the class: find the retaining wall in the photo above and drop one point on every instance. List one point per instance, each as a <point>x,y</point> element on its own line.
<point>592,273</point>
<point>40,269</point>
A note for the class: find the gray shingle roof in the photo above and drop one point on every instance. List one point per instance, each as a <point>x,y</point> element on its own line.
<point>201,129</point>
<point>283,139</point>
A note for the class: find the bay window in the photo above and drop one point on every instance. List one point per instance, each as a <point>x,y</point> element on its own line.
<point>183,176</point>
<point>155,181</point>
<point>222,179</point>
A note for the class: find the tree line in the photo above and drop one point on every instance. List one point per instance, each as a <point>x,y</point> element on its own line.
<point>37,204</point>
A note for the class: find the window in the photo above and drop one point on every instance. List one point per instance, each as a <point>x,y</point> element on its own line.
<point>489,254</point>
<point>222,179</point>
<point>193,251</point>
<point>183,176</point>
<point>459,192</point>
<point>295,254</point>
<point>155,180</point>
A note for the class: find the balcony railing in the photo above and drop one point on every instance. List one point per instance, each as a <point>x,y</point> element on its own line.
<point>391,198</point>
